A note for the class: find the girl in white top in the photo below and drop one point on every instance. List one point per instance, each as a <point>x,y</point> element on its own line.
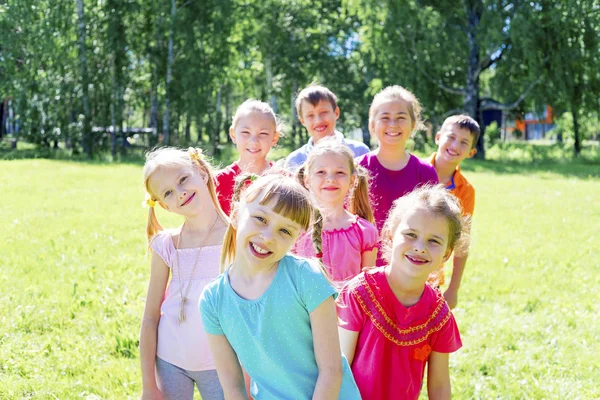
<point>174,351</point>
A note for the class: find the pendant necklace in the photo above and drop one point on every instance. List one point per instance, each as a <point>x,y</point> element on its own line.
<point>183,292</point>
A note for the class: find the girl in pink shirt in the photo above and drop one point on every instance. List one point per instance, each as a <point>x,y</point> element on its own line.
<point>392,323</point>
<point>349,237</point>
<point>174,349</point>
<point>394,115</point>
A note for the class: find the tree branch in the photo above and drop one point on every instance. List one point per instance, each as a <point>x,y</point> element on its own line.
<point>489,60</point>
<point>489,104</point>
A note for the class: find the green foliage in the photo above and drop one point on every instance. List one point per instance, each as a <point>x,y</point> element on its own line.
<point>76,251</point>
<point>492,133</point>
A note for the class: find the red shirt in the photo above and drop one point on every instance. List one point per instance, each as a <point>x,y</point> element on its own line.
<point>394,341</point>
<point>225,182</point>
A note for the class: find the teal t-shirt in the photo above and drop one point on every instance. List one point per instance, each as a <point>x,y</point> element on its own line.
<point>272,335</point>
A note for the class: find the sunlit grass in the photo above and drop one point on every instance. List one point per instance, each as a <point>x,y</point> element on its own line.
<point>74,275</point>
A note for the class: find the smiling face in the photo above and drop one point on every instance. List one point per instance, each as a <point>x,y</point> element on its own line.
<point>263,236</point>
<point>419,244</point>
<point>392,124</point>
<point>254,134</point>
<point>320,119</point>
<point>454,144</point>
<point>329,179</point>
<point>181,190</point>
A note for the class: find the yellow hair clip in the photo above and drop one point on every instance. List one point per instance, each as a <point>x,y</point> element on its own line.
<point>149,203</point>
<point>195,154</point>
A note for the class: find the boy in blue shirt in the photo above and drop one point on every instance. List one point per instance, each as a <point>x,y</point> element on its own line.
<point>318,112</point>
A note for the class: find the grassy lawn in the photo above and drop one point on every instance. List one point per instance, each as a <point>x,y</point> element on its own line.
<point>74,275</point>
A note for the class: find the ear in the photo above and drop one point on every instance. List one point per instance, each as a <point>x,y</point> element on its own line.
<point>472,152</point>
<point>371,126</point>
<point>275,138</point>
<point>301,120</point>
<point>437,138</point>
<point>337,113</point>
<point>232,134</point>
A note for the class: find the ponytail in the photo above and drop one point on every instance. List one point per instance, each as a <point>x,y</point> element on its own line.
<point>152,226</point>
<point>229,241</point>
<point>300,175</point>
<point>358,200</point>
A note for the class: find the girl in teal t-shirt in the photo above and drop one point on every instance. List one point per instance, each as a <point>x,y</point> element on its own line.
<point>270,311</point>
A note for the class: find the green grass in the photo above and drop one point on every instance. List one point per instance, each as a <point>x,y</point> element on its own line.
<point>74,275</point>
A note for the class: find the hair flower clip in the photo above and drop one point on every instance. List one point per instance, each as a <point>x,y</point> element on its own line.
<point>253,177</point>
<point>195,154</point>
<point>149,202</point>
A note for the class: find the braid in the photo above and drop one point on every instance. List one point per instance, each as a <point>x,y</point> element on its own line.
<point>317,230</point>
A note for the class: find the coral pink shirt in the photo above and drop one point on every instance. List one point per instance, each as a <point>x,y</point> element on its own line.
<point>342,249</point>
<point>185,345</point>
<point>394,341</point>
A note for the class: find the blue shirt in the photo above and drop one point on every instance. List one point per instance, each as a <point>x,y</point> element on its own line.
<point>296,158</point>
<point>272,335</point>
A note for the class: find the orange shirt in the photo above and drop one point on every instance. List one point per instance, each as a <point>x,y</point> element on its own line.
<point>461,188</point>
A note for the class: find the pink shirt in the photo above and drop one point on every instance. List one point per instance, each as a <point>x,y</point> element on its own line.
<point>387,185</point>
<point>185,345</point>
<point>394,341</point>
<point>342,249</point>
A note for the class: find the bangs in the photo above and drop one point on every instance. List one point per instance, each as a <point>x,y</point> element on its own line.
<point>291,200</point>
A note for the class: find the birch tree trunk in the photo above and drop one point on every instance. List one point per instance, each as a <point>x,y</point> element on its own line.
<point>87,140</point>
<point>169,73</point>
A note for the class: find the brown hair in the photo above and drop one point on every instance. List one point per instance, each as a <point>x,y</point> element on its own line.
<point>397,92</point>
<point>464,121</point>
<point>440,202</point>
<point>253,105</point>
<point>358,195</point>
<point>313,94</point>
<point>292,200</point>
<point>171,157</point>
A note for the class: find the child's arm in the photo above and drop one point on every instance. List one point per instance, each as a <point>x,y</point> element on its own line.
<point>159,276</point>
<point>228,367</point>
<point>369,258</point>
<point>438,377</point>
<point>323,321</point>
<point>451,294</point>
<point>348,341</point>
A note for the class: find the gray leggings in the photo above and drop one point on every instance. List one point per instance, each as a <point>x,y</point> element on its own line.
<point>178,384</point>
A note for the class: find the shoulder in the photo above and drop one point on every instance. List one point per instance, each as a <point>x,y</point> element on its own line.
<point>359,148</point>
<point>368,230</point>
<point>425,168</point>
<point>162,241</point>
<point>365,160</point>
<point>213,289</point>
<point>227,172</point>
<point>297,157</point>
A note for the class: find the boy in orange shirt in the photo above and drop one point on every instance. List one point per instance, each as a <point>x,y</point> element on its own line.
<point>456,141</point>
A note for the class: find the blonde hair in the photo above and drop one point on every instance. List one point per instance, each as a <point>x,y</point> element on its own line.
<point>171,157</point>
<point>253,105</point>
<point>437,200</point>
<point>358,195</point>
<point>292,201</point>
<point>397,92</point>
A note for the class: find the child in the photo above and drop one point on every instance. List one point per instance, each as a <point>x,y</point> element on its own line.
<point>254,130</point>
<point>394,114</point>
<point>172,340</point>
<point>393,323</point>
<point>456,141</point>
<point>349,236</point>
<point>318,112</point>
<point>269,311</point>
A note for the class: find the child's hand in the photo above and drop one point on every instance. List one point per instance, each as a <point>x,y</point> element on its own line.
<point>451,297</point>
<point>152,394</point>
